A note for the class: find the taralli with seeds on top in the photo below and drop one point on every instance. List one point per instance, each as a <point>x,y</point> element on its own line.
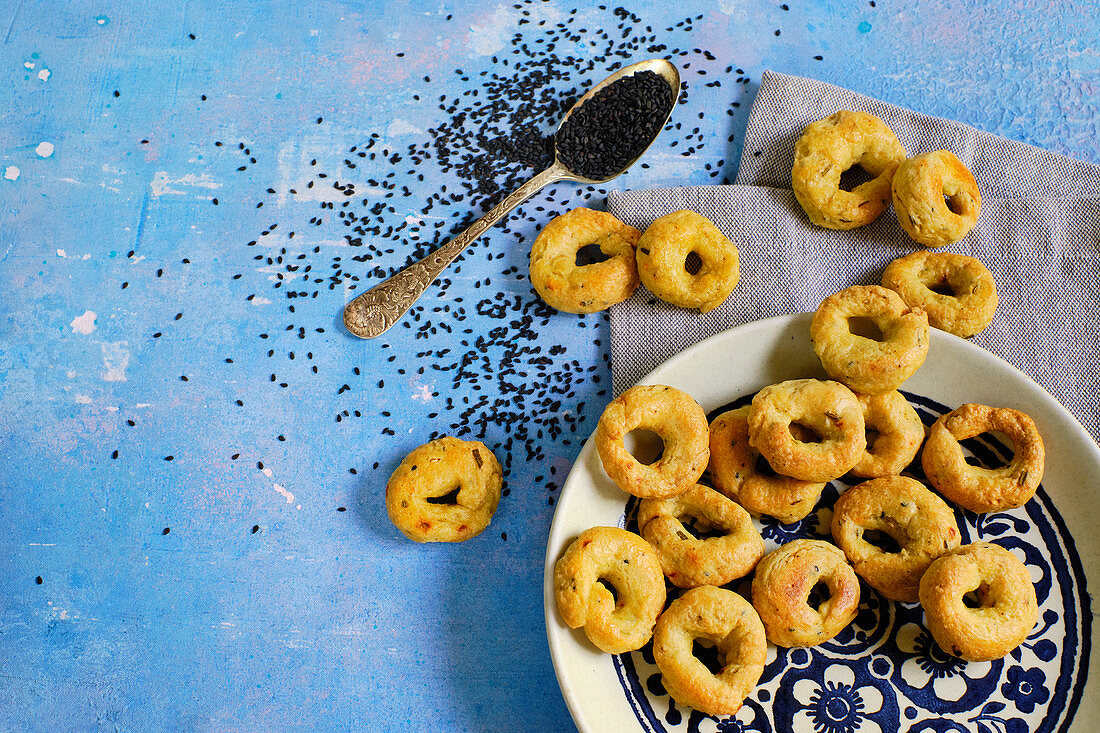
<point>615,621</point>
<point>919,522</point>
<point>781,592</point>
<point>567,286</point>
<point>444,491</point>
<point>868,365</point>
<point>676,418</point>
<point>729,548</point>
<point>725,620</point>
<point>935,198</point>
<point>956,291</point>
<point>974,487</point>
<point>831,146</point>
<point>663,261</point>
<point>1006,608</point>
<point>741,473</point>
<point>827,410</point>
<point>895,433</point>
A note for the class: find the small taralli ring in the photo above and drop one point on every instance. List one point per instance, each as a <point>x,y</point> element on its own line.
<point>974,487</point>
<point>921,524</point>
<point>727,621</point>
<point>676,418</point>
<point>1006,609</point>
<point>936,198</point>
<point>444,491</point>
<point>895,433</point>
<point>741,473</point>
<point>865,364</point>
<point>573,288</point>
<point>824,409</point>
<point>618,620</point>
<point>729,548</point>
<point>663,261</point>
<point>956,291</point>
<point>782,587</point>
<point>831,146</point>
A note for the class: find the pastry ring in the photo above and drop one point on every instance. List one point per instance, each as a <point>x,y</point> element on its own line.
<point>676,418</point>
<point>957,292</point>
<point>663,252</point>
<point>831,146</point>
<point>865,364</point>
<point>573,288</point>
<point>618,620</point>
<point>444,491</point>
<point>895,433</point>
<point>936,198</point>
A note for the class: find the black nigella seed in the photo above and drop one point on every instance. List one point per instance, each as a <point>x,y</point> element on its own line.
<point>166,530</point>
<point>38,580</point>
<point>614,126</point>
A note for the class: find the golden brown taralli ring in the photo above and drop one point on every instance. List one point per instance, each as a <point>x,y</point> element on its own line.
<point>741,473</point>
<point>618,621</point>
<point>865,364</point>
<point>721,618</point>
<point>730,550</point>
<point>826,409</point>
<point>831,146</point>
<point>973,487</point>
<point>567,286</point>
<point>921,523</point>
<point>936,198</point>
<point>781,593</point>
<point>444,491</point>
<point>1007,609</point>
<point>676,418</point>
<point>663,252</point>
<point>895,433</point>
<point>956,291</point>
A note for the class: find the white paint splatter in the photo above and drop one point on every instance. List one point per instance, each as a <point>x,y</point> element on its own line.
<point>44,149</point>
<point>403,127</point>
<point>267,472</point>
<point>11,173</point>
<point>72,374</point>
<point>162,184</point>
<point>423,393</point>
<point>282,490</point>
<point>44,74</point>
<point>260,300</point>
<point>82,399</point>
<point>84,323</point>
<point>116,357</point>
<point>28,64</point>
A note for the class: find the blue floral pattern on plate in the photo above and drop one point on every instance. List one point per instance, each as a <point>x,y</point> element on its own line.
<point>884,672</point>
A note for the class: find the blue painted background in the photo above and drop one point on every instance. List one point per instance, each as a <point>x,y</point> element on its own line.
<point>193,452</point>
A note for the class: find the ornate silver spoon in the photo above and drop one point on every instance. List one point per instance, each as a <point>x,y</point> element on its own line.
<point>373,312</point>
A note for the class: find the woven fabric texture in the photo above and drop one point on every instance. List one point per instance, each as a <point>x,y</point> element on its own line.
<point>1039,234</point>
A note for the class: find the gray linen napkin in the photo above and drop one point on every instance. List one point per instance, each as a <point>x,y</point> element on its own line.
<point>1039,234</point>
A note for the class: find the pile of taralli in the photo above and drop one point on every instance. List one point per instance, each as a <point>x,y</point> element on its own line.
<point>775,456</point>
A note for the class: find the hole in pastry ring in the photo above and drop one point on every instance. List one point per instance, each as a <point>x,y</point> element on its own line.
<point>663,251</point>
<point>829,408</point>
<point>729,622</point>
<point>435,470</point>
<point>781,591</point>
<point>1002,584</point>
<point>733,470</point>
<point>689,561</point>
<point>676,418</point>
<point>615,622</point>
<point>831,146</point>
<point>922,189</point>
<point>920,522</point>
<point>973,487</point>
<point>863,364</point>
<point>900,434</point>
<point>564,285</point>
<point>965,312</point>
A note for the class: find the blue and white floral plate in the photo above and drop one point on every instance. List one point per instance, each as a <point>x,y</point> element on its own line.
<point>884,672</point>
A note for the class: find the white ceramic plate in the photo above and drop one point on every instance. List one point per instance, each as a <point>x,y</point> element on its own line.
<point>883,673</point>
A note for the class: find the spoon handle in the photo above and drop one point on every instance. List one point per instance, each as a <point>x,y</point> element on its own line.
<point>374,311</point>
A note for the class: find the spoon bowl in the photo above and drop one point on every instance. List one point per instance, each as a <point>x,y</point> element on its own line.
<point>376,310</point>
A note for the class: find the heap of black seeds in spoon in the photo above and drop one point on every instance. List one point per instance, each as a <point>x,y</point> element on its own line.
<point>615,125</point>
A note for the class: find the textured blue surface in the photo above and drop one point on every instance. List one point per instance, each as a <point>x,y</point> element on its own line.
<point>253,580</point>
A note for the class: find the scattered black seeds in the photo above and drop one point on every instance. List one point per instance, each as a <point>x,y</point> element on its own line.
<point>38,580</point>
<point>166,530</point>
<point>255,528</point>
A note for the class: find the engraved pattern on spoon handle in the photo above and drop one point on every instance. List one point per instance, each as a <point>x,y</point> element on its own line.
<point>373,312</point>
